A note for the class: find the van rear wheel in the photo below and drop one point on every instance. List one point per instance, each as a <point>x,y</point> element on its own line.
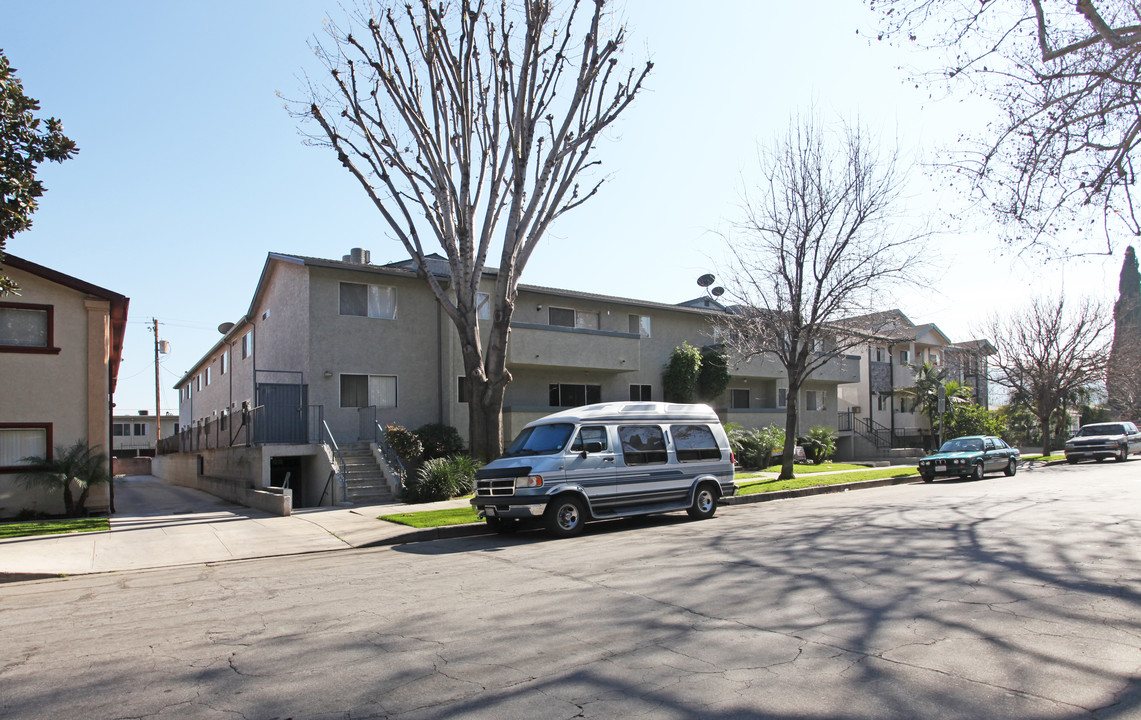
<point>704,503</point>
<point>565,516</point>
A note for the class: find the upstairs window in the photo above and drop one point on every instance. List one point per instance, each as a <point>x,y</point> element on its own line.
<point>374,301</point>
<point>25,327</point>
<point>782,397</point>
<point>482,306</point>
<point>640,325</point>
<point>223,362</point>
<point>140,430</point>
<point>814,400</point>
<point>641,393</point>
<point>567,317</point>
<point>904,357</point>
<point>368,391</point>
<point>248,344</point>
<point>120,429</point>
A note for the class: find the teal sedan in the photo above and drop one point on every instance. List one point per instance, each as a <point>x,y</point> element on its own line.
<point>971,457</point>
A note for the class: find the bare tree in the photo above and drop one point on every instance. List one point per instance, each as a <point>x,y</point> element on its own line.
<point>1066,75</point>
<point>819,238</point>
<point>1046,355</point>
<point>469,123</point>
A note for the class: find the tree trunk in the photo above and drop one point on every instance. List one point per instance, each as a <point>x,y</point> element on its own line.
<point>68,502</point>
<point>485,421</point>
<point>1047,434</point>
<point>789,454</point>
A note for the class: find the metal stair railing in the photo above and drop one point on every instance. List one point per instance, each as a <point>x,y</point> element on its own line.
<point>395,466</point>
<point>879,435</point>
<point>338,471</point>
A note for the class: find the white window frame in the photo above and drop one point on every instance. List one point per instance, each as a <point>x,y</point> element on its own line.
<point>20,441</point>
<point>380,301</point>
<point>369,391</point>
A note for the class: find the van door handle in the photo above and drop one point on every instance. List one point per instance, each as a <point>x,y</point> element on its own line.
<point>608,459</point>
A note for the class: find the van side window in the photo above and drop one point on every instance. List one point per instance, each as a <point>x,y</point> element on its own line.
<point>643,444</point>
<point>589,434</point>
<point>695,442</point>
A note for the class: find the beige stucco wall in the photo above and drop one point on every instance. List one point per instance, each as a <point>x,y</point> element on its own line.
<point>70,390</point>
<point>406,347</point>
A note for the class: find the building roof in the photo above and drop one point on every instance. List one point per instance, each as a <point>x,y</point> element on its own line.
<point>119,304</point>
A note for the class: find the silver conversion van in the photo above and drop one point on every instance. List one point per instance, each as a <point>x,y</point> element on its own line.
<point>608,460</point>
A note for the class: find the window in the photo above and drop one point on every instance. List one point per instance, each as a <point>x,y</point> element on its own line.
<point>818,346</point>
<point>566,317</point>
<point>198,383</point>
<point>907,405</point>
<point>814,400</point>
<point>247,344</point>
<point>573,395</point>
<point>640,325</point>
<point>695,442</point>
<point>879,354</point>
<point>641,393</point>
<point>208,377</point>
<point>881,402</point>
<point>21,441</point>
<point>643,444</point>
<point>223,361</point>
<point>368,391</point>
<point>463,392</point>
<point>26,328</point>
<point>739,399</point>
<point>222,420</point>
<point>140,430</point>
<point>374,301</point>
<point>482,306</point>
<point>782,397</point>
<point>904,357</point>
<point>589,434</point>
<point>934,356</point>
<point>120,429</point>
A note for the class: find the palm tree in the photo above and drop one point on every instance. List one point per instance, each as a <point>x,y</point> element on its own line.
<point>928,379</point>
<point>80,464</point>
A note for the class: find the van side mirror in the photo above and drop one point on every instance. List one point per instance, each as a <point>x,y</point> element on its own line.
<point>591,447</point>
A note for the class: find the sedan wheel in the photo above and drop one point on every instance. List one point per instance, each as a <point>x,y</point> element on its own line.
<point>978,474</point>
<point>1011,467</point>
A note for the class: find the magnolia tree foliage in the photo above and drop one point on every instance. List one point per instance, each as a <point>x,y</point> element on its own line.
<point>470,125</point>
<point>821,240</point>
<point>25,143</point>
<point>1063,77</point>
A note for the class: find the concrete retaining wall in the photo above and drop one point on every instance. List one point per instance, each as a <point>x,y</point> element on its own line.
<point>234,474</point>
<point>131,466</point>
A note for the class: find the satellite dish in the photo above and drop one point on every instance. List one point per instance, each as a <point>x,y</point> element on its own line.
<point>717,291</point>
<point>706,280</point>
<point>225,327</point>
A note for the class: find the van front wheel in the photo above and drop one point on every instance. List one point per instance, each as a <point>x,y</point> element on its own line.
<point>565,516</point>
<point>704,503</point>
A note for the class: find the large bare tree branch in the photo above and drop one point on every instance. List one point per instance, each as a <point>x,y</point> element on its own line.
<point>470,123</point>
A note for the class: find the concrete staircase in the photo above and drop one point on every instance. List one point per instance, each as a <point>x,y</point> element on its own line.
<point>365,483</point>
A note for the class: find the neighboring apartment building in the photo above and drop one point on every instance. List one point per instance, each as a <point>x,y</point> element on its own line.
<point>883,414</point>
<point>61,341</point>
<point>136,435</point>
<point>354,344</point>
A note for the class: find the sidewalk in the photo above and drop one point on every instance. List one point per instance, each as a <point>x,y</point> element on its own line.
<point>159,525</point>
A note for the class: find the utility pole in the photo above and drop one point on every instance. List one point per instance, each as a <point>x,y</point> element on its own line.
<point>164,347</point>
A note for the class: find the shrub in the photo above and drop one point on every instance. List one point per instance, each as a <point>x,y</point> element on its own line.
<point>713,375</point>
<point>819,445</point>
<point>439,440</point>
<point>404,443</point>
<point>679,378</point>
<point>441,478</point>
<point>754,446</point>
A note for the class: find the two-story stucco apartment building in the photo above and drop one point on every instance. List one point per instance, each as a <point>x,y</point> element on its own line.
<point>884,414</point>
<point>61,341</point>
<point>345,344</point>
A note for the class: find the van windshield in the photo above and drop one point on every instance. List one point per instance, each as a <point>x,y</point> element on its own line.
<point>540,440</point>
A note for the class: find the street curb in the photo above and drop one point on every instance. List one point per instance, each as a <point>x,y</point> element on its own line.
<point>472,529</point>
<point>816,490</point>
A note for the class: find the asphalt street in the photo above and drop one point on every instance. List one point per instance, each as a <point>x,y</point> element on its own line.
<point>1003,598</point>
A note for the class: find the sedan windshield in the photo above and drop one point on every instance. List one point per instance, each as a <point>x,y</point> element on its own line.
<point>962,445</point>
<point>540,440</point>
<point>1093,430</point>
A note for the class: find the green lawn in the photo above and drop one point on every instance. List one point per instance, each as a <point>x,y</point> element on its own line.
<point>434,518</point>
<point>805,469</point>
<point>763,486</point>
<point>1045,458</point>
<point>52,527</point>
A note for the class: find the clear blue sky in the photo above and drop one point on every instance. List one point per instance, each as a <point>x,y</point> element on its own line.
<point>191,170</point>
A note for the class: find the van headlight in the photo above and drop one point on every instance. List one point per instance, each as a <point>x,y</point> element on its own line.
<point>531,481</point>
